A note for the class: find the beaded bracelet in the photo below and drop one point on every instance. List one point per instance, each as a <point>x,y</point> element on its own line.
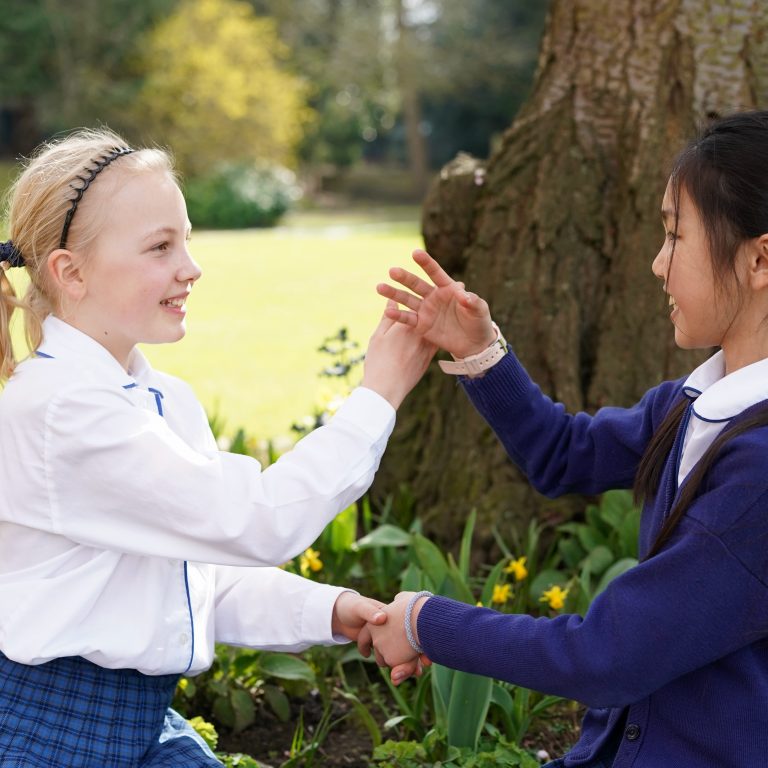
<point>408,613</point>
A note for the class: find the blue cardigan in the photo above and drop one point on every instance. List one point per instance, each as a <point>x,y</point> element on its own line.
<point>674,651</point>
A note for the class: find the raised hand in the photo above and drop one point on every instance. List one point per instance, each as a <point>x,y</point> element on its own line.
<point>396,359</point>
<point>443,312</point>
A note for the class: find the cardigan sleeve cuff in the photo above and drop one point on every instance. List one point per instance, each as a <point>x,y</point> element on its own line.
<point>502,386</point>
<point>436,625</point>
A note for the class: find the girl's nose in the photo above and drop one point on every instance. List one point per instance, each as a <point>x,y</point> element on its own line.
<point>659,265</point>
<point>190,270</point>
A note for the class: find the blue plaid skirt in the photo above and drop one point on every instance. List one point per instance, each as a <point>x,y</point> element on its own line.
<point>70,713</point>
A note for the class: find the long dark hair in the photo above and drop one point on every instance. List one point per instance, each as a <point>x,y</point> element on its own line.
<point>725,174</point>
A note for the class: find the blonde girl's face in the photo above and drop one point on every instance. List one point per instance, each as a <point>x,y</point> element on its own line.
<point>702,315</point>
<point>138,272</point>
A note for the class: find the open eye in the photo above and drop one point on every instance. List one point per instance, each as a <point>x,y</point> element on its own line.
<point>161,247</point>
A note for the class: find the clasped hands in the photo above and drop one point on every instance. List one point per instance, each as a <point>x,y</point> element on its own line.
<point>381,628</point>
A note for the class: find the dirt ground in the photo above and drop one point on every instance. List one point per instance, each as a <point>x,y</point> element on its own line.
<point>348,745</point>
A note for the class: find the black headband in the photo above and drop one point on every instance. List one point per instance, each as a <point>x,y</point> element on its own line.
<point>10,253</point>
<point>91,173</point>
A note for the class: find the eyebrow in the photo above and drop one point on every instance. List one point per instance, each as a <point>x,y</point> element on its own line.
<point>166,231</point>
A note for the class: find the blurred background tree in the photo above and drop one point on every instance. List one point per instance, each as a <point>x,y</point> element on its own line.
<point>351,91</point>
<point>222,91</point>
<point>66,65</point>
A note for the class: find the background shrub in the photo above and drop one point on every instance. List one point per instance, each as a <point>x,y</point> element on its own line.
<point>240,196</point>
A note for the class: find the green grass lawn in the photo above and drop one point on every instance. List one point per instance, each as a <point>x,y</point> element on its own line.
<point>266,301</point>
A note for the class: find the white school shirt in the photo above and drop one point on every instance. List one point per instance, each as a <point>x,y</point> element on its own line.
<point>126,536</point>
<point>718,399</point>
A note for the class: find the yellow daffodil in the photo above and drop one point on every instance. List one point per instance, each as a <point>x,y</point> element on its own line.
<point>517,567</point>
<point>501,593</point>
<point>310,561</point>
<point>555,596</point>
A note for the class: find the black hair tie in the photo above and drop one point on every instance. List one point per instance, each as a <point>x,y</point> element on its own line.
<point>11,254</point>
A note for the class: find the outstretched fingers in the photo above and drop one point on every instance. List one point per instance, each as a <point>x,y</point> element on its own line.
<point>434,271</point>
<point>400,296</point>
<point>401,316</point>
<point>411,281</point>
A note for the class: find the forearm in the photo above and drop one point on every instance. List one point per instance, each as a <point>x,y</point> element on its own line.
<point>272,609</point>
<point>559,452</point>
<point>611,657</point>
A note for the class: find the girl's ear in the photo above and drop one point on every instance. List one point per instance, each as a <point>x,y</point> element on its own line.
<point>65,271</point>
<point>757,262</point>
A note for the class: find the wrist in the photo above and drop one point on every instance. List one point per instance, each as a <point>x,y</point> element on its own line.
<point>391,392</point>
<point>415,604</point>
<point>475,366</point>
<point>476,348</point>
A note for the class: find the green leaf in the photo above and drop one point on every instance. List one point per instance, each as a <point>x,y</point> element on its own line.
<point>629,533</point>
<point>384,536</point>
<point>278,702</point>
<point>224,711</point>
<point>619,567</point>
<point>593,519</point>
<point>466,545</point>
<point>598,560</point>
<point>442,681</point>
<point>243,709</point>
<point>245,663</point>
<point>364,715</point>
<point>571,551</point>
<point>615,506</point>
<point>460,589</point>
<point>286,667</point>
<point>431,559</point>
<point>467,710</point>
<point>493,578</point>
<point>394,721</point>
<point>411,580</point>
<point>501,697</point>
<point>343,529</point>
<point>590,538</point>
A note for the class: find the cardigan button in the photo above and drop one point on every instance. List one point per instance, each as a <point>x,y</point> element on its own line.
<point>632,732</point>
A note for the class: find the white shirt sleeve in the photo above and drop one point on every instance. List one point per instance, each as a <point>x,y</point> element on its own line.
<point>118,477</point>
<point>271,609</point>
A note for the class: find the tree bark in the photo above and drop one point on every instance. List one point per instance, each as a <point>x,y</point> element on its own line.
<point>559,232</point>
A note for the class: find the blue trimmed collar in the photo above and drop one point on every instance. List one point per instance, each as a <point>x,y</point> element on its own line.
<point>720,397</point>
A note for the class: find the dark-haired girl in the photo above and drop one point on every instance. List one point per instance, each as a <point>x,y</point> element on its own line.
<point>672,658</point>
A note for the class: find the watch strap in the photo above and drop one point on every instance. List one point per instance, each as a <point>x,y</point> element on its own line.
<point>476,365</point>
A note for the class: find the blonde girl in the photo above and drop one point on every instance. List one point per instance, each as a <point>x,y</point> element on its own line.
<point>127,540</point>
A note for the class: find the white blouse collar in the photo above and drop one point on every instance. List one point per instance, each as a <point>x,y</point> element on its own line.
<point>720,397</point>
<point>62,340</point>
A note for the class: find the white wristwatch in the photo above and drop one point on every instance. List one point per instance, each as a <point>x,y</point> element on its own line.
<point>476,365</point>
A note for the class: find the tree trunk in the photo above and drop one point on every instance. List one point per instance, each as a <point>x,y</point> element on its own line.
<point>406,75</point>
<point>559,232</point>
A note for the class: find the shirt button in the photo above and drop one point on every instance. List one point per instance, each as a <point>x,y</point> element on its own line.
<point>632,732</point>
<point>183,638</point>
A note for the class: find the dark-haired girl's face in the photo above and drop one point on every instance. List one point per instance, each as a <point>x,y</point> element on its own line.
<point>701,314</point>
